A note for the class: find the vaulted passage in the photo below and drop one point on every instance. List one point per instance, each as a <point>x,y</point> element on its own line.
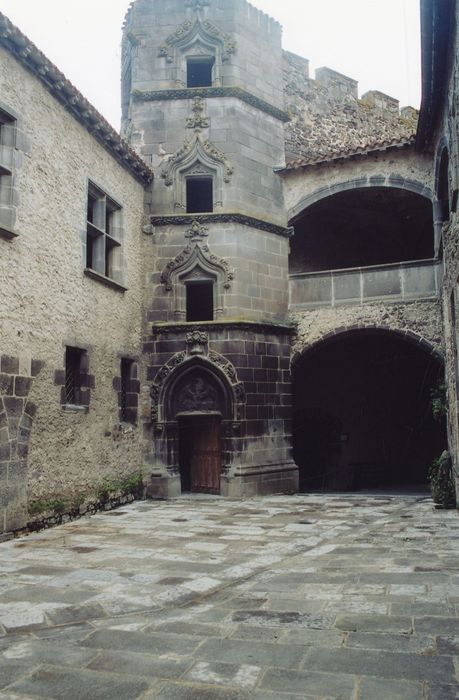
<point>363,227</point>
<point>363,413</point>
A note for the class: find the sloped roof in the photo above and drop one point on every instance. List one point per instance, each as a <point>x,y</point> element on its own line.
<point>364,150</point>
<point>25,51</point>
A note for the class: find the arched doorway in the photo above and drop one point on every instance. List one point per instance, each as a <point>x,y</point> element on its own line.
<point>363,414</point>
<point>197,403</point>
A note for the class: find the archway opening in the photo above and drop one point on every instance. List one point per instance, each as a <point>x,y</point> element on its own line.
<point>197,400</point>
<point>363,413</point>
<point>362,227</point>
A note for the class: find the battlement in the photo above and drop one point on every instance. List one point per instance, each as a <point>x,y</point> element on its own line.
<point>265,21</point>
<point>327,110</point>
<point>338,85</point>
<point>379,100</point>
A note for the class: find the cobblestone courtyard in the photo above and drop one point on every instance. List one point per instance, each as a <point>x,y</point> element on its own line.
<point>284,597</point>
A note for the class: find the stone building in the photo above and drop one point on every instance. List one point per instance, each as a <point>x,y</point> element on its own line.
<point>247,298</point>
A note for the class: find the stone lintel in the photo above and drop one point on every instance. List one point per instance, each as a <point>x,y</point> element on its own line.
<point>210,92</point>
<point>235,218</point>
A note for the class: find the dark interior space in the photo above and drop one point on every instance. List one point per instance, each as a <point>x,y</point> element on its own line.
<point>362,227</point>
<point>199,72</point>
<point>363,414</point>
<point>199,301</point>
<point>199,195</point>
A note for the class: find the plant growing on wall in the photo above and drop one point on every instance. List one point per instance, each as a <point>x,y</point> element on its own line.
<point>438,401</point>
<point>441,481</point>
<point>441,472</point>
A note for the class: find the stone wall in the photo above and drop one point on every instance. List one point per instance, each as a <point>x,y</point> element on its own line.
<point>253,362</point>
<point>48,303</point>
<point>421,321</point>
<point>446,145</point>
<point>394,168</point>
<point>328,116</point>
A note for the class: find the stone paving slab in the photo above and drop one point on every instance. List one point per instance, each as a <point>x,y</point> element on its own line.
<point>313,597</point>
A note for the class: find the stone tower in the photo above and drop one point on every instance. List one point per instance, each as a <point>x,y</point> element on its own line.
<point>203,104</point>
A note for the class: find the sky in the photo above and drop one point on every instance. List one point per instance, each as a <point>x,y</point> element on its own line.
<point>374,42</point>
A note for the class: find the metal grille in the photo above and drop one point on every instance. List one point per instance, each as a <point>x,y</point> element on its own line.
<point>72,374</point>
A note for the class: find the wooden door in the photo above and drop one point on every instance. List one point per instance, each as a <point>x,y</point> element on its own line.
<point>205,455</point>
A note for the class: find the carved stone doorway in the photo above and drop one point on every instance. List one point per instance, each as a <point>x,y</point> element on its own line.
<point>200,452</point>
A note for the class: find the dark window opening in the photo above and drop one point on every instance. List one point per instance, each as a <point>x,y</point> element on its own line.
<point>199,195</point>
<point>443,187</point>
<point>127,396</point>
<point>199,72</point>
<point>200,301</point>
<point>73,361</point>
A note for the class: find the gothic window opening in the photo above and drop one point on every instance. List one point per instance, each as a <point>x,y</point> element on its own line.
<point>103,232</point>
<point>200,301</point>
<point>199,71</point>
<point>199,195</point>
<point>73,374</point>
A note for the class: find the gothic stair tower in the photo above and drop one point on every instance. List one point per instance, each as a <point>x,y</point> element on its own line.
<point>203,104</point>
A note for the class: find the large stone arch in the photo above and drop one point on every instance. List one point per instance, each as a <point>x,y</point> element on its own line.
<point>387,181</point>
<point>363,409</point>
<point>368,328</point>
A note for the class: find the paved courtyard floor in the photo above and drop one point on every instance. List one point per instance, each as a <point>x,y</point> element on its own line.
<point>307,596</point>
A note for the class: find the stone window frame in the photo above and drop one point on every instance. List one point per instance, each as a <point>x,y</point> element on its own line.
<point>198,269</point>
<point>105,230</point>
<point>198,170</point>
<point>12,146</point>
<point>84,383</point>
<point>198,43</point>
<point>128,390</point>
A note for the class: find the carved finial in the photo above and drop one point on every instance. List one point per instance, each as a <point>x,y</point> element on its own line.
<point>197,231</point>
<point>198,121</point>
<point>197,343</point>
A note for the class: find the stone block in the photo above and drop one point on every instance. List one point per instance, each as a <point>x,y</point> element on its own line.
<point>14,406</point>
<point>9,364</point>
<point>22,386</point>
<point>381,283</point>
<point>6,384</point>
<point>36,367</point>
<point>381,664</point>
<point>317,684</point>
<point>55,682</point>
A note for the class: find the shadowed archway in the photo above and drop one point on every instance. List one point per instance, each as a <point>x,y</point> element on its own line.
<point>362,412</point>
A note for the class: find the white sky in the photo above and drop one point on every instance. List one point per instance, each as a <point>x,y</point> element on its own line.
<point>374,42</point>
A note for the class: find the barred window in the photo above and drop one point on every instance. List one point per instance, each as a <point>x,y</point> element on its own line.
<point>73,373</point>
